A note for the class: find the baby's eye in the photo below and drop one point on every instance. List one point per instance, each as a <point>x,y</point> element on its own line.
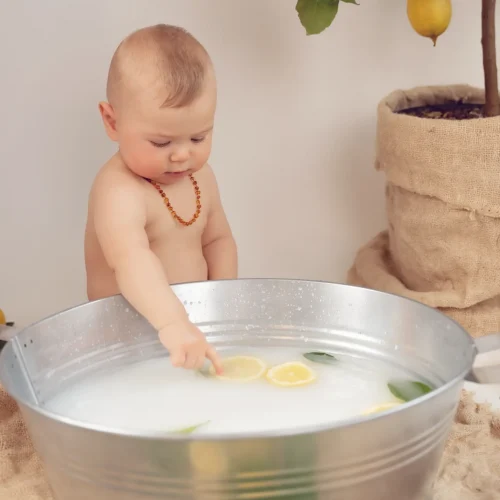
<point>159,144</point>
<point>196,140</point>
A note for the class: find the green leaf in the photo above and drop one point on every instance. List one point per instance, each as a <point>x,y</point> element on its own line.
<point>408,390</point>
<point>190,430</point>
<point>316,15</point>
<point>350,1</point>
<point>320,357</point>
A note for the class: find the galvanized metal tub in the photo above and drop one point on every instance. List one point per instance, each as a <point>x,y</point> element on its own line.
<point>392,455</point>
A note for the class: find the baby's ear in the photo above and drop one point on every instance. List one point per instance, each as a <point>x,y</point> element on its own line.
<point>109,119</point>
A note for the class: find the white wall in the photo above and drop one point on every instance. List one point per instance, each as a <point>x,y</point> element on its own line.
<point>294,136</point>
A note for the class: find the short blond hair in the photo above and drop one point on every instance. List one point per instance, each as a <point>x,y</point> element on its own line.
<point>172,54</point>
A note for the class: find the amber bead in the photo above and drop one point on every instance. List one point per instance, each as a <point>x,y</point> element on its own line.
<point>170,208</point>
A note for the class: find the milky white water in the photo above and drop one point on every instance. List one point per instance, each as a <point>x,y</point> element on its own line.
<point>153,396</point>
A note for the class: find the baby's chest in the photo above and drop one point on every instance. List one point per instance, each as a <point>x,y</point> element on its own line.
<point>176,221</point>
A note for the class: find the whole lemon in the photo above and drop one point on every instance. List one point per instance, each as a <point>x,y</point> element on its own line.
<point>429,18</point>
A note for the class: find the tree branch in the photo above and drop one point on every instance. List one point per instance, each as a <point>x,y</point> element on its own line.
<point>492,101</point>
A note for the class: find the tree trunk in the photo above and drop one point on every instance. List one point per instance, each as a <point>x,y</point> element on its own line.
<point>492,101</point>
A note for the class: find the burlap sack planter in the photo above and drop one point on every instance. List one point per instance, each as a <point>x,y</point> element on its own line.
<point>443,207</point>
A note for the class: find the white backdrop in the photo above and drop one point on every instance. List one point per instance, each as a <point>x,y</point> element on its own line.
<point>294,140</point>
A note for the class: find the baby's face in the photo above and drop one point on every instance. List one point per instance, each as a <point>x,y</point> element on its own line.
<point>166,144</point>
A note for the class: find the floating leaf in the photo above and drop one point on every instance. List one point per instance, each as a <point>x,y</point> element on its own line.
<point>320,357</point>
<point>316,15</point>
<point>190,430</point>
<point>408,390</point>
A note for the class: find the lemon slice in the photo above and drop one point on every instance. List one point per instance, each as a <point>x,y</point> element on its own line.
<point>241,369</point>
<point>383,407</point>
<point>291,374</point>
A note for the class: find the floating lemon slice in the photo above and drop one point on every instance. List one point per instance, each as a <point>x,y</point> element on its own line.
<point>241,369</point>
<point>291,374</point>
<point>383,407</point>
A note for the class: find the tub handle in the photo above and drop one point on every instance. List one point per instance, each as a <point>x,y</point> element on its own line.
<point>486,367</point>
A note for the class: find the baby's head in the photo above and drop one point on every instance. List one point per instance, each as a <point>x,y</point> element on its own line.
<point>161,95</point>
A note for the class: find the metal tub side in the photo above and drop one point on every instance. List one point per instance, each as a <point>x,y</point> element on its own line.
<point>390,454</point>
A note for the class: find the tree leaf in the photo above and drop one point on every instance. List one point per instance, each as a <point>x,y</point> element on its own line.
<point>350,1</point>
<point>316,15</point>
<point>190,430</point>
<point>408,390</point>
<point>320,357</point>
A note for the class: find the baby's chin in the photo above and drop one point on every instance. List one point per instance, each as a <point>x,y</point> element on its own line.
<point>171,177</point>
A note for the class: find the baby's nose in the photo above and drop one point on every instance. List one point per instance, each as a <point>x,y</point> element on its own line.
<point>179,155</point>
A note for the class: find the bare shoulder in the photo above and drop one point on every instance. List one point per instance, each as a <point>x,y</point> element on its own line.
<point>208,182</point>
<point>117,193</point>
<point>114,176</point>
<point>114,183</point>
<point>206,174</point>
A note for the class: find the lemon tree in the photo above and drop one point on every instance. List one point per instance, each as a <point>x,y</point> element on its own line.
<point>429,18</point>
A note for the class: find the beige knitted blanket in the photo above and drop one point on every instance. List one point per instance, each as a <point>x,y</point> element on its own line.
<point>470,468</point>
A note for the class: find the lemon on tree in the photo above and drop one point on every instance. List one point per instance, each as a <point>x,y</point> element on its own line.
<point>429,18</point>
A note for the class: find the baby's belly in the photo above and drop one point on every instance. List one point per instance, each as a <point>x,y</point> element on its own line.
<point>183,264</point>
<point>180,265</point>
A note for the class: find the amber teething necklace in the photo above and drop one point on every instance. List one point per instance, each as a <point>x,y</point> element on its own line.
<point>171,209</point>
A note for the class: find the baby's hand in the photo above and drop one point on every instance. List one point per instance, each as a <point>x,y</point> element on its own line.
<point>187,346</point>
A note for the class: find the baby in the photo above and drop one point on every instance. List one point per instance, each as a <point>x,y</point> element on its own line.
<point>155,216</point>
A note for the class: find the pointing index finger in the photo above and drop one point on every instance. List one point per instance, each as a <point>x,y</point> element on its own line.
<point>214,358</point>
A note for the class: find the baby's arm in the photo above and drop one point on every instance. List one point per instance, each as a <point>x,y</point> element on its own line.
<point>120,216</point>
<point>219,247</point>
<point>120,221</point>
